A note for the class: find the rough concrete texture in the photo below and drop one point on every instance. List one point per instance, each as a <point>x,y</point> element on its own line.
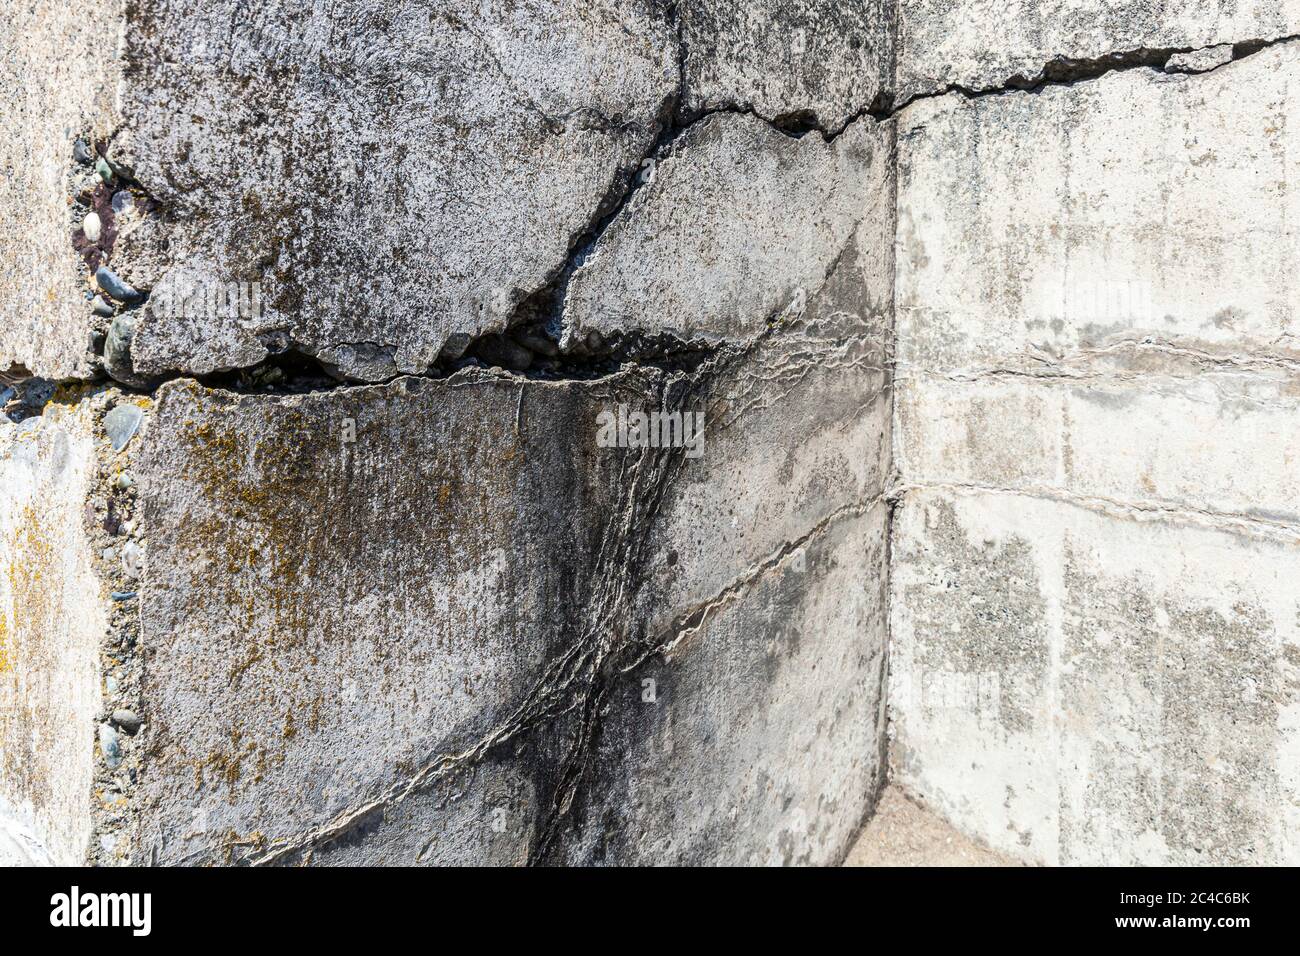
<point>978,45</point>
<point>817,61</point>
<point>1095,686</point>
<point>901,832</point>
<point>355,662</point>
<point>1093,650</point>
<point>57,59</point>
<point>51,619</point>
<point>392,174</point>
<point>274,617</point>
<point>770,218</point>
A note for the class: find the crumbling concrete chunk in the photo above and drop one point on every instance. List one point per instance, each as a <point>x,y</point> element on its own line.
<point>737,226</point>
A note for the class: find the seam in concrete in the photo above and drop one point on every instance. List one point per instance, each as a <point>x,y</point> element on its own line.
<point>1227,521</point>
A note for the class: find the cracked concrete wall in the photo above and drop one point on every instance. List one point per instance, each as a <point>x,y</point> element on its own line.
<point>438,619</point>
<point>403,604</point>
<point>991,44</point>
<point>1094,649</point>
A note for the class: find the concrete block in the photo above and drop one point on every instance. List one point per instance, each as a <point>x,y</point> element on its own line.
<point>740,225</point>
<point>1089,686</point>
<point>52,618</point>
<point>1139,209</point>
<point>401,623</point>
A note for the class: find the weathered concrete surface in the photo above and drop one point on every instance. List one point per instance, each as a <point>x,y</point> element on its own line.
<point>807,60</point>
<point>777,685</point>
<point>51,621</point>
<point>981,46</point>
<point>57,81</point>
<point>1093,655</point>
<point>1129,438</point>
<point>902,832</point>
<point>391,174</point>
<point>1025,220</point>
<point>355,660</point>
<point>740,225</point>
<point>1096,686</point>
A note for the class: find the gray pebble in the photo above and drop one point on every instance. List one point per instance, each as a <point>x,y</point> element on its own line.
<point>110,685</point>
<point>114,285</point>
<point>128,720</point>
<point>454,347</point>
<point>122,423</point>
<point>81,153</point>
<point>110,745</point>
<point>536,343</point>
<point>123,595</point>
<point>117,350</point>
<point>99,305</point>
<point>123,201</point>
<point>123,482</point>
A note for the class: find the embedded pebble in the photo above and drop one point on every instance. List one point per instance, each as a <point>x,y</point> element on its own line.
<point>110,745</point>
<point>123,595</point>
<point>128,720</point>
<point>128,527</point>
<point>109,554</point>
<point>498,350</point>
<point>91,226</point>
<point>536,343</point>
<point>104,170</point>
<point>110,685</point>
<point>123,201</point>
<point>117,349</point>
<point>81,153</point>
<point>133,560</point>
<point>100,306</point>
<point>123,481</point>
<point>114,285</point>
<point>122,423</point>
<point>454,347</point>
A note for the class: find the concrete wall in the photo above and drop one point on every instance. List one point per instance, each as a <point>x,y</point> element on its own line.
<point>344,572</point>
<point>1094,648</point>
<point>51,619</point>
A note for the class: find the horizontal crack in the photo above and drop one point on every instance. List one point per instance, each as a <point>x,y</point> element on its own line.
<point>1068,71</point>
<point>1235,522</point>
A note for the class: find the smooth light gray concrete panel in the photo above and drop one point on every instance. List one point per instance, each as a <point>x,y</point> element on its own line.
<point>1092,686</point>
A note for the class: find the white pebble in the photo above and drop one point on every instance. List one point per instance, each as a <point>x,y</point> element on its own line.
<point>91,226</point>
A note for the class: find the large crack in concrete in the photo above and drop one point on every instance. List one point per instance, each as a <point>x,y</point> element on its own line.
<point>580,680</point>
